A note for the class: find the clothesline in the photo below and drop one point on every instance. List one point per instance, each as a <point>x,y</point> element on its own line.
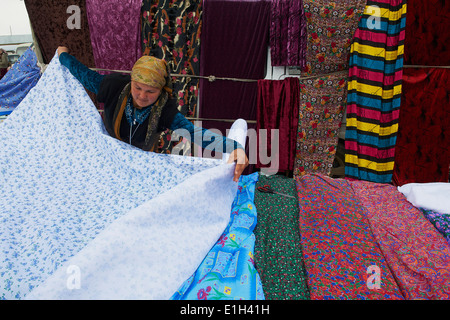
<point>203,119</point>
<point>212,78</point>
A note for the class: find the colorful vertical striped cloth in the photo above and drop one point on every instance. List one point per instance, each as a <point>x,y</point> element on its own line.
<point>374,91</point>
<point>278,251</point>
<point>417,254</point>
<point>341,256</point>
<point>228,271</point>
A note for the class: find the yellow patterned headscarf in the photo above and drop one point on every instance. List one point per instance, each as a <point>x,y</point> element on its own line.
<point>153,72</point>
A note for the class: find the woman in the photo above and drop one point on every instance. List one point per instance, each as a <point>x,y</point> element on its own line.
<point>138,107</point>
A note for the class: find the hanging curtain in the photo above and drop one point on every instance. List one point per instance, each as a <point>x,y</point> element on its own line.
<point>422,151</point>
<point>49,20</point>
<point>278,102</point>
<point>235,38</point>
<point>427,33</point>
<point>330,26</point>
<point>287,33</point>
<point>374,91</point>
<point>170,30</point>
<point>116,45</point>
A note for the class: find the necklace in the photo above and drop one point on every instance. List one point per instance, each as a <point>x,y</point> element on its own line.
<point>131,126</point>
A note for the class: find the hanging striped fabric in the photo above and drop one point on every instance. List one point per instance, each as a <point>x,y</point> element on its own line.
<point>374,91</point>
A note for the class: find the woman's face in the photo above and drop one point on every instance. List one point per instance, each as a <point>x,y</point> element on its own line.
<point>143,94</point>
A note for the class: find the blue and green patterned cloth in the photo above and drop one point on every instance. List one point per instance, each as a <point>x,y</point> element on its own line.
<point>228,271</point>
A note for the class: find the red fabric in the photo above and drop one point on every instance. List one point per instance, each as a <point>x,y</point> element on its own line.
<point>338,243</point>
<point>278,104</point>
<point>427,36</point>
<point>422,152</point>
<point>416,253</point>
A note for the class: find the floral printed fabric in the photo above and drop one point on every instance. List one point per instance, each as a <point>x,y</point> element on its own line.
<point>339,248</point>
<point>16,84</point>
<point>320,117</point>
<point>228,270</point>
<point>71,195</point>
<point>441,221</point>
<point>171,31</point>
<point>417,254</point>
<point>278,250</point>
<point>330,27</point>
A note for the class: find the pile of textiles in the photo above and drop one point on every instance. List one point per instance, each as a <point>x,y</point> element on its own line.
<point>355,231</point>
<point>228,271</point>
<point>278,251</point>
<point>346,239</point>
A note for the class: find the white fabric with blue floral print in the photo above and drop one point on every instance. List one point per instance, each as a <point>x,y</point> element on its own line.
<point>85,216</point>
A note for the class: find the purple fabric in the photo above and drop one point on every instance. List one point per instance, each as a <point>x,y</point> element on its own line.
<point>288,33</point>
<point>114,26</point>
<point>234,42</point>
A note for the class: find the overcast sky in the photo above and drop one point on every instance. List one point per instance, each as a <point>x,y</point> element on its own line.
<point>13,18</point>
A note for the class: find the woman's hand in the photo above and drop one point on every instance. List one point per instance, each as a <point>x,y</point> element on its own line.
<point>238,155</point>
<point>62,49</point>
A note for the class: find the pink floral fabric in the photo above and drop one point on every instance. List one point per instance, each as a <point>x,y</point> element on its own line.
<point>339,250</point>
<point>416,252</point>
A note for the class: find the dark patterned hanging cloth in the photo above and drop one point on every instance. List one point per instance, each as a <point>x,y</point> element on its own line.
<point>278,102</point>
<point>115,33</point>
<point>427,33</point>
<point>278,251</point>
<point>330,27</point>
<point>288,33</point>
<point>422,151</point>
<point>341,256</point>
<point>53,26</point>
<point>171,31</point>
<point>234,42</point>
<point>374,91</point>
